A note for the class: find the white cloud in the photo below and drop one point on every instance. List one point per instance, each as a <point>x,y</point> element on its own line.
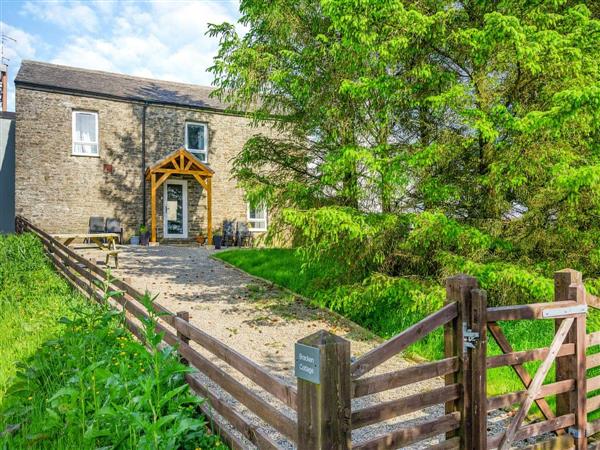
<point>24,47</point>
<point>74,16</point>
<point>165,40</point>
<point>85,53</point>
<point>105,7</point>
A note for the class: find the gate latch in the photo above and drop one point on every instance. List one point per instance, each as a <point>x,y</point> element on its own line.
<point>470,337</point>
<point>574,431</point>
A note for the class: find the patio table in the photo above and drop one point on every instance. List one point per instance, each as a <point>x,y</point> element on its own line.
<point>96,238</point>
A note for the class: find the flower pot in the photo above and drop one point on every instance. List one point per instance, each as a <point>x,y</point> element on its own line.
<point>200,240</point>
<point>135,240</point>
<point>217,242</point>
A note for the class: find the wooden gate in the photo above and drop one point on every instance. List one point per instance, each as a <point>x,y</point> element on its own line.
<point>566,426</point>
<point>450,393</point>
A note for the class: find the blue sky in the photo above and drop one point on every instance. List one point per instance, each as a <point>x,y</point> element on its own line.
<point>162,39</point>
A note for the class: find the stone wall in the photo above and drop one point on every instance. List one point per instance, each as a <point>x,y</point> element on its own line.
<point>59,191</point>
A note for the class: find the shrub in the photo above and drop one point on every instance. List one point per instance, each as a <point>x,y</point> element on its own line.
<point>431,233</point>
<point>349,243</point>
<point>354,244</point>
<point>506,284</point>
<point>384,304</point>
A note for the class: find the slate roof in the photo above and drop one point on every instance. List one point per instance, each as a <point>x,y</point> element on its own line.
<point>57,78</point>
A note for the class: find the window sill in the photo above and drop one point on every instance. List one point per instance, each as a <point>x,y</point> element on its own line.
<point>257,230</point>
<point>198,153</point>
<point>85,155</point>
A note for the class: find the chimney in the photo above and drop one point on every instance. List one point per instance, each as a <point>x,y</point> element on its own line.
<point>4,83</point>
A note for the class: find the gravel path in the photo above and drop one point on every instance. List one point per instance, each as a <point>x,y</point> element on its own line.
<point>258,320</point>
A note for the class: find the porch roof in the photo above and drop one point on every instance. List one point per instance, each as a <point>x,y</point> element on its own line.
<point>181,161</point>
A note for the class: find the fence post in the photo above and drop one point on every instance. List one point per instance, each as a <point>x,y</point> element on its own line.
<point>564,364</point>
<point>324,403</point>
<point>458,289</point>
<point>476,373</point>
<point>184,315</point>
<point>568,285</point>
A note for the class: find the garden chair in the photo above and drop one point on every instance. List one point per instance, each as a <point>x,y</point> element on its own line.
<point>114,226</point>
<point>95,225</point>
<point>243,235</point>
<point>229,233</point>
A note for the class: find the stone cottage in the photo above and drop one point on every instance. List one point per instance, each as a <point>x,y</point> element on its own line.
<point>85,141</point>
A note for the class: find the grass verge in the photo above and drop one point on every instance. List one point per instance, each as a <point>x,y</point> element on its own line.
<point>32,299</point>
<point>82,381</point>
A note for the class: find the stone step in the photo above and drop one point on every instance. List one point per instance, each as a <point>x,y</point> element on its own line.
<point>188,241</point>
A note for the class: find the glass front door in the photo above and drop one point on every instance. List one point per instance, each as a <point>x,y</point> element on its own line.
<point>175,209</point>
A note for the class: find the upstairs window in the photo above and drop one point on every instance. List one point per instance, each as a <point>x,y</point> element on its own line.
<point>257,216</point>
<point>196,140</point>
<point>85,133</point>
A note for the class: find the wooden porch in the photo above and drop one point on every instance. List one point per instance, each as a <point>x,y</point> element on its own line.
<point>180,162</point>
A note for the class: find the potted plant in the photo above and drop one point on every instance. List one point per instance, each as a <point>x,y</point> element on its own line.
<point>144,235</point>
<point>217,239</point>
<point>200,239</point>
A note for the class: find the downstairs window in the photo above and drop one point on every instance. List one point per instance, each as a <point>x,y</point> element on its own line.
<point>257,216</point>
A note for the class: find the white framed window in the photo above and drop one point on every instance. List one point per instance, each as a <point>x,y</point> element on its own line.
<point>257,216</point>
<point>196,140</point>
<point>85,133</point>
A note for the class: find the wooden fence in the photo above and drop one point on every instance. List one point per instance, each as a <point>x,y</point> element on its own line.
<point>320,415</point>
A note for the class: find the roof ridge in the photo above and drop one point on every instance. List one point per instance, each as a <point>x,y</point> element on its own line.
<point>116,74</point>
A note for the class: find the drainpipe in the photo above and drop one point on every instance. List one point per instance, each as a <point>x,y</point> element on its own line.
<point>144,163</point>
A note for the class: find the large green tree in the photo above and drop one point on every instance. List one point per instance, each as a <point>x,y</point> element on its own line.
<point>291,64</point>
<point>485,111</point>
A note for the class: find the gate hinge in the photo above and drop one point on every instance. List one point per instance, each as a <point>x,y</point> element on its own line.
<point>558,312</point>
<point>470,337</point>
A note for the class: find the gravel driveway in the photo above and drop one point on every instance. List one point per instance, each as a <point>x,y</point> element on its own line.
<point>256,319</point>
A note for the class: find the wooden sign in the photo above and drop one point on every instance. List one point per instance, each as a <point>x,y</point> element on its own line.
<point>308,363</point>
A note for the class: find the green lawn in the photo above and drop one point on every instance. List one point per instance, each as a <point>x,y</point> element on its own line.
<point>284,267</point>
<point>281,266</point>
<point>32,300</point>
<point>72,377</point>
